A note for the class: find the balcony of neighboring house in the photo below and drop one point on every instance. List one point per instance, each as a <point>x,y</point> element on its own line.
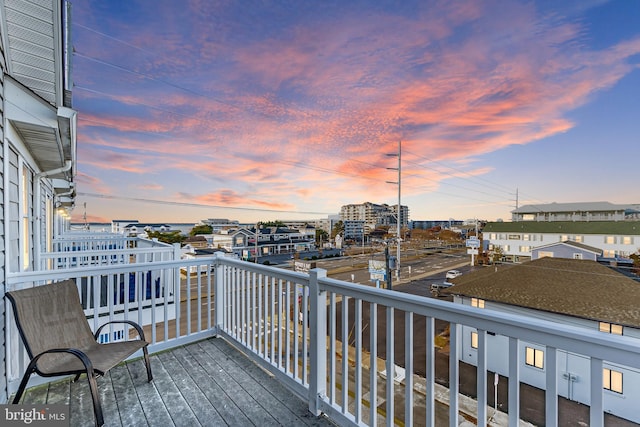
<point>239,343</point>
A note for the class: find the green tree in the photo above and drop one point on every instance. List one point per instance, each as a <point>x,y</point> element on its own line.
<point>497,254</point>
<point>169,237</point>
<point>321,236</point>
<point>338,228</point>
<point>201,229</point>
<point>271,224</point>
<point>636,262</point>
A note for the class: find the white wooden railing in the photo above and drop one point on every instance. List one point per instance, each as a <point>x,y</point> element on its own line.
<point>293,325</point>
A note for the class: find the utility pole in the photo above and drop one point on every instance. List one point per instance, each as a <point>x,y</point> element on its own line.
<point>399,209</point>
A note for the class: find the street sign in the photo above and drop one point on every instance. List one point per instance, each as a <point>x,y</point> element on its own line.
<point>473,243</point>
<point>377,270</point>
<point>303,266</point>
<point>472,251</point>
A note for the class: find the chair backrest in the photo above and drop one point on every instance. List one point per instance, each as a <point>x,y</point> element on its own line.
<point>51,316</point>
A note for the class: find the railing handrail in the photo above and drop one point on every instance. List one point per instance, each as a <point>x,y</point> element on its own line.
<point>106,252</point>
<point>260,309</point>
<point>47,275</point>
<point>575,339</point>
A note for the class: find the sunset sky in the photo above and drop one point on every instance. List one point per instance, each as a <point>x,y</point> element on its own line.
<point>259,110</point>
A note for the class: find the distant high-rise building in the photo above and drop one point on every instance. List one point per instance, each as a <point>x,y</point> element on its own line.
<point>374,215</point>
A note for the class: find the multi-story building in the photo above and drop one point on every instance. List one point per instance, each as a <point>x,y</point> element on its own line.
<point>354,229</point>
<point>585,211</point>
<point>270,241</point>
<point>611,228</point>
<point>578,293</point>
<point>373,214</point>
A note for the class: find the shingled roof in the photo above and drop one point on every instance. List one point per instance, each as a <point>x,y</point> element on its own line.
<point>577,288</point>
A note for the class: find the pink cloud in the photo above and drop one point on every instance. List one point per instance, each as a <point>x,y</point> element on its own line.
<point>327,100</point>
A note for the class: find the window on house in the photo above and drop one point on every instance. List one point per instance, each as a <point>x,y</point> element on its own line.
<point>493,236</point>
<point>525,249</point>
<point>514,237</point>
<point>612,380</point>
<point>26,194</point>
<point>610,240</point>
<point>564,238</point>
<point>474,340</point>
<point>578,239</point>
<point>534,357</point>
<point>609,253</point>
<point>577,255</point>
<point>627,240</point>
<point>542,254</point>
<point>477,302</point>
<point>610,328</point>
<point>526,237</point>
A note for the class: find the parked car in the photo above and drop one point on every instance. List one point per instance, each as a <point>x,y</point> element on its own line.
<point>452,274</point>
<point>437,287</point>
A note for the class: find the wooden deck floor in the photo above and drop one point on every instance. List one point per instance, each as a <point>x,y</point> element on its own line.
<point>208,383</point>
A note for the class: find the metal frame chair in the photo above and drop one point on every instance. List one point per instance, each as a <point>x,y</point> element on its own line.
<point>59,341</point>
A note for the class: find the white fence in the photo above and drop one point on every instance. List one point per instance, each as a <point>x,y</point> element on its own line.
<point>331,342</point>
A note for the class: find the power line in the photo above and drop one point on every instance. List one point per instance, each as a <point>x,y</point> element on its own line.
<point>196,205</point>
<point>229,104</point>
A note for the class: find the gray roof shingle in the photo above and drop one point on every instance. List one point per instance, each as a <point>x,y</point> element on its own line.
<point>577,288</point>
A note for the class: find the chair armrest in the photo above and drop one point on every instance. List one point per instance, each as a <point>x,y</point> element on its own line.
<point>76,352</point>
<point>129,322</point>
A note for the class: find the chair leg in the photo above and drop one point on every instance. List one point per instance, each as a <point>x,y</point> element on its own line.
<point>97,407</point>
<point>147,362</point>
<point>23,383</point>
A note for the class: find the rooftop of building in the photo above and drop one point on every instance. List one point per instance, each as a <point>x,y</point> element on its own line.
<point>578,288</point>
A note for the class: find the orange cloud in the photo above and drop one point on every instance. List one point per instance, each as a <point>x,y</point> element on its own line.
<point>280,109</point>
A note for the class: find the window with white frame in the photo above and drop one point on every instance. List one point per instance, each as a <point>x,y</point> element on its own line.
<point>477,302</point>
<point>564,238</point>
<point>610,240</point>
<point>525,249</point>
<point>534,357</point>
<point>26,210</point>
<point>577,255</point>
<point>474,339</point>
<point>526,237</point>
<point>578,239</point>
<point>543,254</point>
<point>609,253</point>
<point>627,240</point>
<point>611,328</point>
<point>612,380</point>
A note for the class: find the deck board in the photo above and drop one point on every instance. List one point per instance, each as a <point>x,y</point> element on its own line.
<point>208,383</point>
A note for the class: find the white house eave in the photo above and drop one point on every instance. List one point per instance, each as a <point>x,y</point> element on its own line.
<point>48,132</point>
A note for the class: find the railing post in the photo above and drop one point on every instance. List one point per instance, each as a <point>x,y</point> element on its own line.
<point>218,293</point>
<point>318,337</point>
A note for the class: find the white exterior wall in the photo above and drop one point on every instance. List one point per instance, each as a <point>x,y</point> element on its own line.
<point>512,243</point>
<point>569,365</point>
